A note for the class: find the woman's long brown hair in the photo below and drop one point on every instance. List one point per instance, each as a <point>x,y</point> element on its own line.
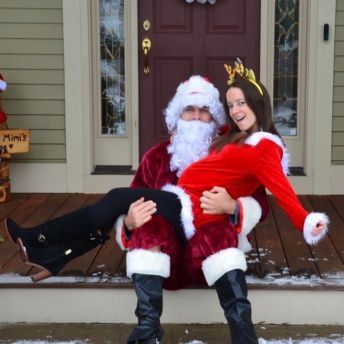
<point>261,107</point>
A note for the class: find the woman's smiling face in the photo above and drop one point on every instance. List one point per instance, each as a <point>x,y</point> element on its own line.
<point>240,112</point>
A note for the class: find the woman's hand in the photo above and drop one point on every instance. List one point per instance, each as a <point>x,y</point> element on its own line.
<point>217,201</point>
<point>139,213</point>
<point>318,229</point>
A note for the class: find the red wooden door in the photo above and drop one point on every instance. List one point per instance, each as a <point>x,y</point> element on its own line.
<point>190,39</point>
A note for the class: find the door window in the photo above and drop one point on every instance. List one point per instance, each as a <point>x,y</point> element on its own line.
<point>286,67</point>
<point>113,119</point>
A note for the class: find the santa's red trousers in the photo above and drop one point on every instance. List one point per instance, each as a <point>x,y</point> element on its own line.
<point>185,258</point>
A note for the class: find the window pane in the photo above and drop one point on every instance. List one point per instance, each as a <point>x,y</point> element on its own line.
<point>286,66</point>
<point>113,120</point>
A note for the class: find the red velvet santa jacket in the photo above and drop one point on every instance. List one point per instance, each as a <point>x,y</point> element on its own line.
<point>154,172</point>
<point>240,169</point>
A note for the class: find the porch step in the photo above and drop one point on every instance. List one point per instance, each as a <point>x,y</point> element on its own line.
<point>112,300</point>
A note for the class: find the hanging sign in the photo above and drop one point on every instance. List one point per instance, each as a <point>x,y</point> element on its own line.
<point>14,141</point>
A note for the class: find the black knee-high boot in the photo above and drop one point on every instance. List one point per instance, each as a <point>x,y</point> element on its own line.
<point>232,292</point>
<point>73,226</point>
<point>52,259</point>
<point>148,289</point>
<point>51,245</point>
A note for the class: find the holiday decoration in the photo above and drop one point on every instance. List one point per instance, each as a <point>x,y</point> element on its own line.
<point>4,156</point>
<point>212,2</point>
<point>11,141</point>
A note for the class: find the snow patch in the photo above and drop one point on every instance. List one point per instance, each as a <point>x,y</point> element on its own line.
<point>338,340</point>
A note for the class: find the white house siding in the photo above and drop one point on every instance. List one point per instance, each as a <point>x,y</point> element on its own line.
<point>31,59</point>
<point>338,90</point>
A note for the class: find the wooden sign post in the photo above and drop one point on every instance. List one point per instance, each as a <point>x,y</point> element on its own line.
<point>12,141</point>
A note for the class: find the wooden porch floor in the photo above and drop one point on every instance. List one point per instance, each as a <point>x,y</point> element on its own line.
<point>280,258</point>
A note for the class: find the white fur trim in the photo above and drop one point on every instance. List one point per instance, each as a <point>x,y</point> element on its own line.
<point>251,212</point>
<point>186,214</point>
<point>311,220</point>
<point>118,226</point>
<point>244,244</point>
<point>3,85</point>
<point>255,138</point>
<point>221,262</point>
<point>147,262</point>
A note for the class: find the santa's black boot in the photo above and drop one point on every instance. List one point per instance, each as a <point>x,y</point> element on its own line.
<point>51,259</point>
<point>73,226</point>
<point>148,289</point>
<point>232,292</point>
<point>225,270</point>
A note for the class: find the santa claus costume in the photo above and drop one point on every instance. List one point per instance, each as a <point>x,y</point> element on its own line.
<point>155,172</point>
<point>179,264</point>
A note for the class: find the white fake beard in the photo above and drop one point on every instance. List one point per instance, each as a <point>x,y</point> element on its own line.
<point>190,144</point>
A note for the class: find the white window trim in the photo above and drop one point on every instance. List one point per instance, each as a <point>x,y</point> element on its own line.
<point>318,93</point>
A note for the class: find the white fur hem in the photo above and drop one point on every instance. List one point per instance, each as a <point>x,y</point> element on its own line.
<point>186,213</point>
<point>119,228</point>
<point>311,220</point>
<point>221,262</point>
<point>251,212</point>
<point>149,263</point>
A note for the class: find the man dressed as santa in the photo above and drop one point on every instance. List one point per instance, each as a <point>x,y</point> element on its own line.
<point>157,257</point>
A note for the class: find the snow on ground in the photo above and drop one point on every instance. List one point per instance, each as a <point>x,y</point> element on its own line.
<point>337,340</point>
<point>333,339</point>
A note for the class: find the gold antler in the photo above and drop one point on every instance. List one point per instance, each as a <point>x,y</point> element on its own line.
<point>243,72</point>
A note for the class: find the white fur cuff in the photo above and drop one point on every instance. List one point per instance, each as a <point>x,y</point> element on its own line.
<point>244,244</point>
<point>119,228</point>
<point>186,213</point>
<point>221,262</point>
<point>251,214</point>
<point>149,263</point>
<point>311,220</point>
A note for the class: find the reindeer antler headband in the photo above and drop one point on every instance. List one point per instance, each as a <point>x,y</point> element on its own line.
<point>245,73</point>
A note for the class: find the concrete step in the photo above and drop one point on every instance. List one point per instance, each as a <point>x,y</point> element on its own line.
<point>63,299</point>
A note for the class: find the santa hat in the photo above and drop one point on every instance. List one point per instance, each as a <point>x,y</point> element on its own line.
<point>3,84</point>
<point>196,91</point>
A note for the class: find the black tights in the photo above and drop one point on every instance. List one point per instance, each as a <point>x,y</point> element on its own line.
<point>116,202</point>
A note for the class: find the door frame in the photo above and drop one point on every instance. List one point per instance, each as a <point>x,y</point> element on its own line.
<point>79,89</point>
<point>318,110</point>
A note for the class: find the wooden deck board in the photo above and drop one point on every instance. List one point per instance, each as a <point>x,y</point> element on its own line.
<point>299,259</point>
<point>325,254</point>
<point>270,250</point>
<point>278,250</point>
